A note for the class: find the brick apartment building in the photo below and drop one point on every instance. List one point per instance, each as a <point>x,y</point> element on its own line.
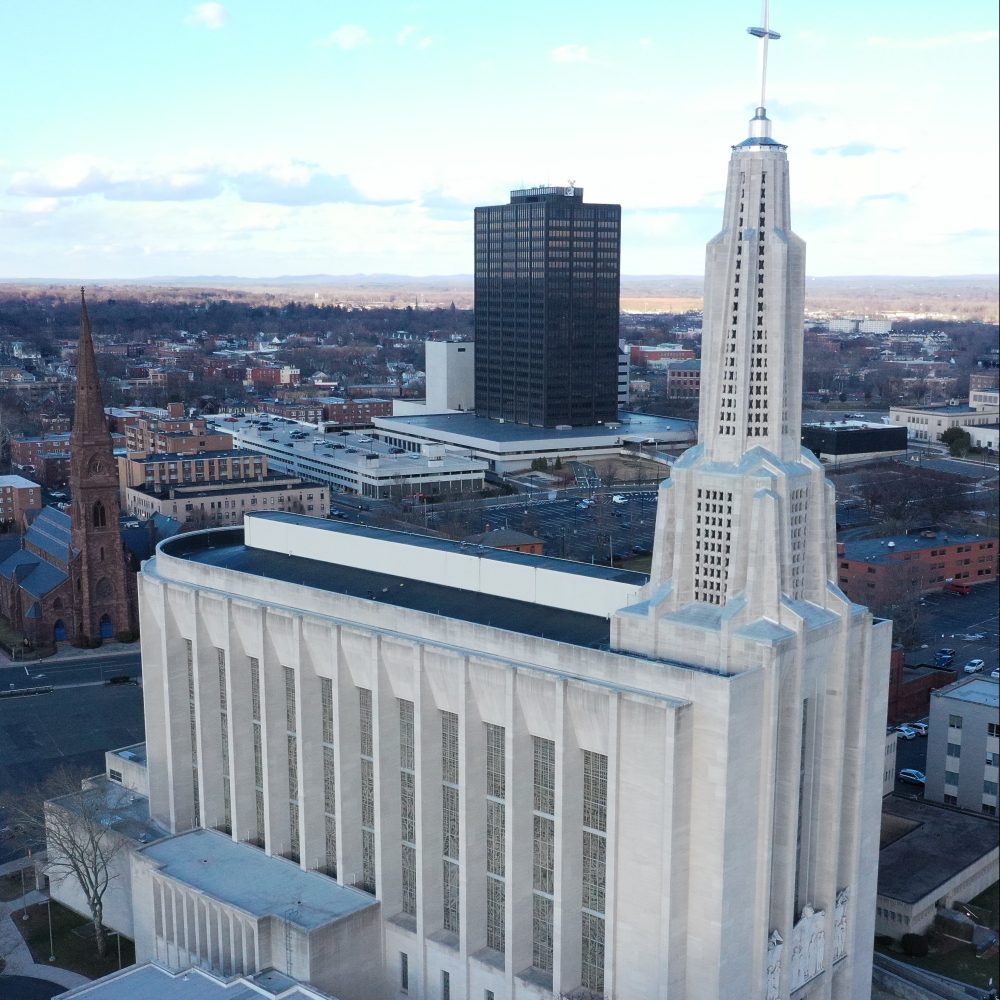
<point>206,505</point>
<point>873,570</point>
<point>684,379</point>
<point>177,435</point>
<point>161,471</point>
<point>18,496</point>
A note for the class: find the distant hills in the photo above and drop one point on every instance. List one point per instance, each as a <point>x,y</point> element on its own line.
<point>948,297</point>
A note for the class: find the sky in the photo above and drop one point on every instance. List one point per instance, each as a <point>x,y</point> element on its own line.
<point>258,139</point>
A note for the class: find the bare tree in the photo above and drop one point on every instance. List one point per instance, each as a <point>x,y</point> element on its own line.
<point>77,819</point>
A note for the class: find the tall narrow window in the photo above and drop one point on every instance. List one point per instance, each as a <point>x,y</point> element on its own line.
<point>595,825</point>
<point>193,719</point>
<point>227,801</point>
<point>495,837</point>
<point>450,828</point>
<point>543,853</point>
<point>329,776</point>
<point>258,749</point>
<point>407,806</point>
<point>367,792</point>
<point>293,763</point>
<point>800,861</point>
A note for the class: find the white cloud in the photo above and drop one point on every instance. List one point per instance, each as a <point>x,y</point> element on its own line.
<point>935,41</point>
<point>571,53</point>
<point>410,36</point>
<point>348,36</point>
<point>209,15</point>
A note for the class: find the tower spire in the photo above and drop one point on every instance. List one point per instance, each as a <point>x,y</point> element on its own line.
<point>764,34</point>
<point>89,423</point>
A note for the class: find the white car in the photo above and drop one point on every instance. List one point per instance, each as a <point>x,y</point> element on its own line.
<point>618,498</point>
<point>906,733</point>
<point>995,673</point>
<point>920,728</point>
<point>973,666</point>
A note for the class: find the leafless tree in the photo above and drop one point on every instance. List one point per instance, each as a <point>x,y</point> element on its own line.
<point>77,819</point>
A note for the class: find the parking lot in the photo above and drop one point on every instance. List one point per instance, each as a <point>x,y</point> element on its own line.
<point>572,528</point>
<point>968,624</point>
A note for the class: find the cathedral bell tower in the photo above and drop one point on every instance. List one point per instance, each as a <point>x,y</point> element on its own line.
<point>99,576</point>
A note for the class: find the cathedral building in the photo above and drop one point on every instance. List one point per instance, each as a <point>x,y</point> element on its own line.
<point>385,764</point>
<point>71,578</point>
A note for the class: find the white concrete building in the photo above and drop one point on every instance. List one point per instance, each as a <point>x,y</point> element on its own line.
<point>548,778</point>
<point>451,375</point>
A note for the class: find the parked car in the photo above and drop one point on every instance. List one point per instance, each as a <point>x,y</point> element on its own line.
<point>958,588</point>
<point>912,776</point>
<point>919,727</point>
<point>995,673</point>
<point>618,498</point>
<point>944,656</point>
<point>973,666</point>
<point>906,733</point>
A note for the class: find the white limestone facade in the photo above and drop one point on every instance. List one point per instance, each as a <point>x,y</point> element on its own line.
<point>554,779</point>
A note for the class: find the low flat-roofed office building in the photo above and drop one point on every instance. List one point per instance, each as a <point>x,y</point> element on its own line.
<point>511,447</point>
<point>853,441</point>
<point>931,856</point>
<point>357,463</point>
<point>213,504</point>
<point>963,744</point>
<point>928,423</point>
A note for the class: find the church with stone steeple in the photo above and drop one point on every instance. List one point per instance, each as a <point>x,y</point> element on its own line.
<point>71,578</point>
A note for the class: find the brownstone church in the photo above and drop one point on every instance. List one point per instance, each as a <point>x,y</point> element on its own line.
<point>71,578</point>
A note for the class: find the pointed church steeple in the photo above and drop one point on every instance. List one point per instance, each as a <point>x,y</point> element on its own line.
<point>103,600</point>
<point>89,423</point>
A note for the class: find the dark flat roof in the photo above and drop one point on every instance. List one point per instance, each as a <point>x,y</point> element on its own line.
<point>224,548</point>
<point>944,843</point>
<point>879,550</point>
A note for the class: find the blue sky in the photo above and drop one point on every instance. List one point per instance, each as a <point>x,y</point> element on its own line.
<point>259,138</point>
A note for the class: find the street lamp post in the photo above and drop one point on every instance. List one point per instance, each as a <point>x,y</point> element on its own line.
<point>24,892</point>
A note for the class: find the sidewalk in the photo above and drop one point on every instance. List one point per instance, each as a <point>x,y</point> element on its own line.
<point>16,953</point>
<point>68,652</point>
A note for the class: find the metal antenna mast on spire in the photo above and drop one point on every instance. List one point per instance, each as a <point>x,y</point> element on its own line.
<point>764,34</point>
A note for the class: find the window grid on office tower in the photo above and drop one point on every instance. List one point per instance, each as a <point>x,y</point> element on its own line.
<point>495,837</point>
<point>450,823</point>
<point>329,777</point>
<point>193,717</point>
<point>407,808</point>
<point>595,823</point>
<point>227,800</point>
<point>543,852</point>
<point>258,748</point>
<point>367,882</point>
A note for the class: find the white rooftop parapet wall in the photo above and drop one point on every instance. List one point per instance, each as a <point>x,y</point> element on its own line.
<point>470,571</point>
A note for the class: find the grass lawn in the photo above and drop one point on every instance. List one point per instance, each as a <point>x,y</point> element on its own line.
<point>10,885</point>
<point>954,958</point>
<point>73,951</point>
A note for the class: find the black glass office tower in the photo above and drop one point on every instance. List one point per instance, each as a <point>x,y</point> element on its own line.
<point>546,297</point>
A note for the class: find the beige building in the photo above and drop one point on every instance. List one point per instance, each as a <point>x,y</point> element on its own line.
<point>206,505</point>
<point>928,423</point>
<point>162,471</point>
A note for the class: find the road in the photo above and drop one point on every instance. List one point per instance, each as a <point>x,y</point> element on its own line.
<point>69,672</point>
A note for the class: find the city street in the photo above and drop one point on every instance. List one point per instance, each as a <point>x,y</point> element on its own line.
<point>69,671</point>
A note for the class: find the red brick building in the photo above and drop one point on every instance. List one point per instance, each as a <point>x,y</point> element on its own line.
<point>684,380</point>
<point>875,571</point>
<point>641,354</point>
<point>18,496</point>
